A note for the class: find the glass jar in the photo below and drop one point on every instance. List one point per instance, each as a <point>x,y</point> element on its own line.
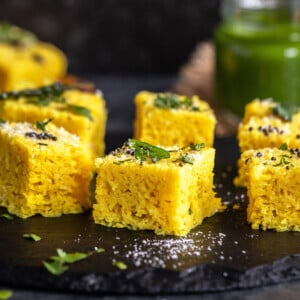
<point>258,52</point>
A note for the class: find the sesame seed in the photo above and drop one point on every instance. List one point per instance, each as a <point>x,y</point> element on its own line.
<point>258,154</point>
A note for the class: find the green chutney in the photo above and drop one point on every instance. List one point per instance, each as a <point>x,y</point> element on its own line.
<point>257,56</point>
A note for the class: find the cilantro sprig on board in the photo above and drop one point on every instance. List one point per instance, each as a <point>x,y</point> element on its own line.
<point>58,264</point>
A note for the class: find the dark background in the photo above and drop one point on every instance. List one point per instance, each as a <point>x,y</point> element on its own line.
<point>118,36</point>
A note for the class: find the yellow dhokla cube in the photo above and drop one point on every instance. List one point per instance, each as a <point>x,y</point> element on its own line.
<point>79,112</point>
<point>267,124</point>
<point>272,178</point>
<point>167,119</point>
<point>23,58</point>
<point>43,172</point>
<point>140,186</point>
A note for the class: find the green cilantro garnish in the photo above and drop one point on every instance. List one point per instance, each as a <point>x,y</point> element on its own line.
<point>120,265</point>
<point>194,147</point>
<point>172,101</point>
<point>5,294</point>
<point>45,95</point>
<point>100,250</point>
<point>197,147</point>
<point>119,162</point>
<point>284,147</point>
<point>31,236</point>
<point>80,110</point>
<point>283,161</point>
<point>2,121</point>
<point>186,158</point>
<point>51,93</point>
<point>7,216</point>
<point>55,267</point>
<point>285,111</point>
<point>190,211</point>
<point>42,125</point>
<point>58,264</point>
<point>15,35</point>
<point>143,150</point>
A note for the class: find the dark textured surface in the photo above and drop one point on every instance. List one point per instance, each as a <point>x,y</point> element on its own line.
<point>127,36</point>
<point>223,254</point>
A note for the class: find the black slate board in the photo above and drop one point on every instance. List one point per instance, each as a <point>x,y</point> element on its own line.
<point>221,254</point>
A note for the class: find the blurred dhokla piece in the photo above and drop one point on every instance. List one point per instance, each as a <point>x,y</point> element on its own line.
<point>140,186</point>
<point>23,58</point>
<point>43,171</point>
<point>81,113</point>
<point>167,119</point>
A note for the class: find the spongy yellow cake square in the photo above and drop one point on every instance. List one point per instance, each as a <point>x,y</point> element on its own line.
<point>140,186</point>
<point>45,173</point>
<point>81,113</point>
<point>23,58</point>
<point>167,119</point>
<point>267,124</point>
<point>272,178</point>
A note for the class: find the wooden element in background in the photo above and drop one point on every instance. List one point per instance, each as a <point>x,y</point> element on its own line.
<point>196,77</point>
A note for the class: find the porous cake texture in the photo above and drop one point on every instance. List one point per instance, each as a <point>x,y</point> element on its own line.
<point>140,186</point>
<point>43,172</point>
<point>23,58</point>
<point>272,179</point>
<point>79,112</point>
<point>167,119</point>
<point>267,124</point>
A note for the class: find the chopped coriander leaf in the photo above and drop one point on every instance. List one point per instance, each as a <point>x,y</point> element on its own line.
<point>5,294</point>
<point>197,147</point>
<point>284,147</point>
<point>194,147</point>
<point>15,36</point>
<point>70,257</point>
<point>173,101</point>
<point>285,111</point>
<point>186,158</point>
<point>40,101</point>
<point>45,95</point>
<point>120,265</point>
<point>55,267</point>
<point>80,110</point>
<point>190,211</point>
<point>57,263</point>
<point>7,216</point>
<point>167,101</point>
<point>100,250</point>
<point>32,236</point>
<point>42,95</point>
<point>2,121</point>
<point>42,125</point>
<point>119,162</point>
<point>143,150</point>
<point>283,161</point>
